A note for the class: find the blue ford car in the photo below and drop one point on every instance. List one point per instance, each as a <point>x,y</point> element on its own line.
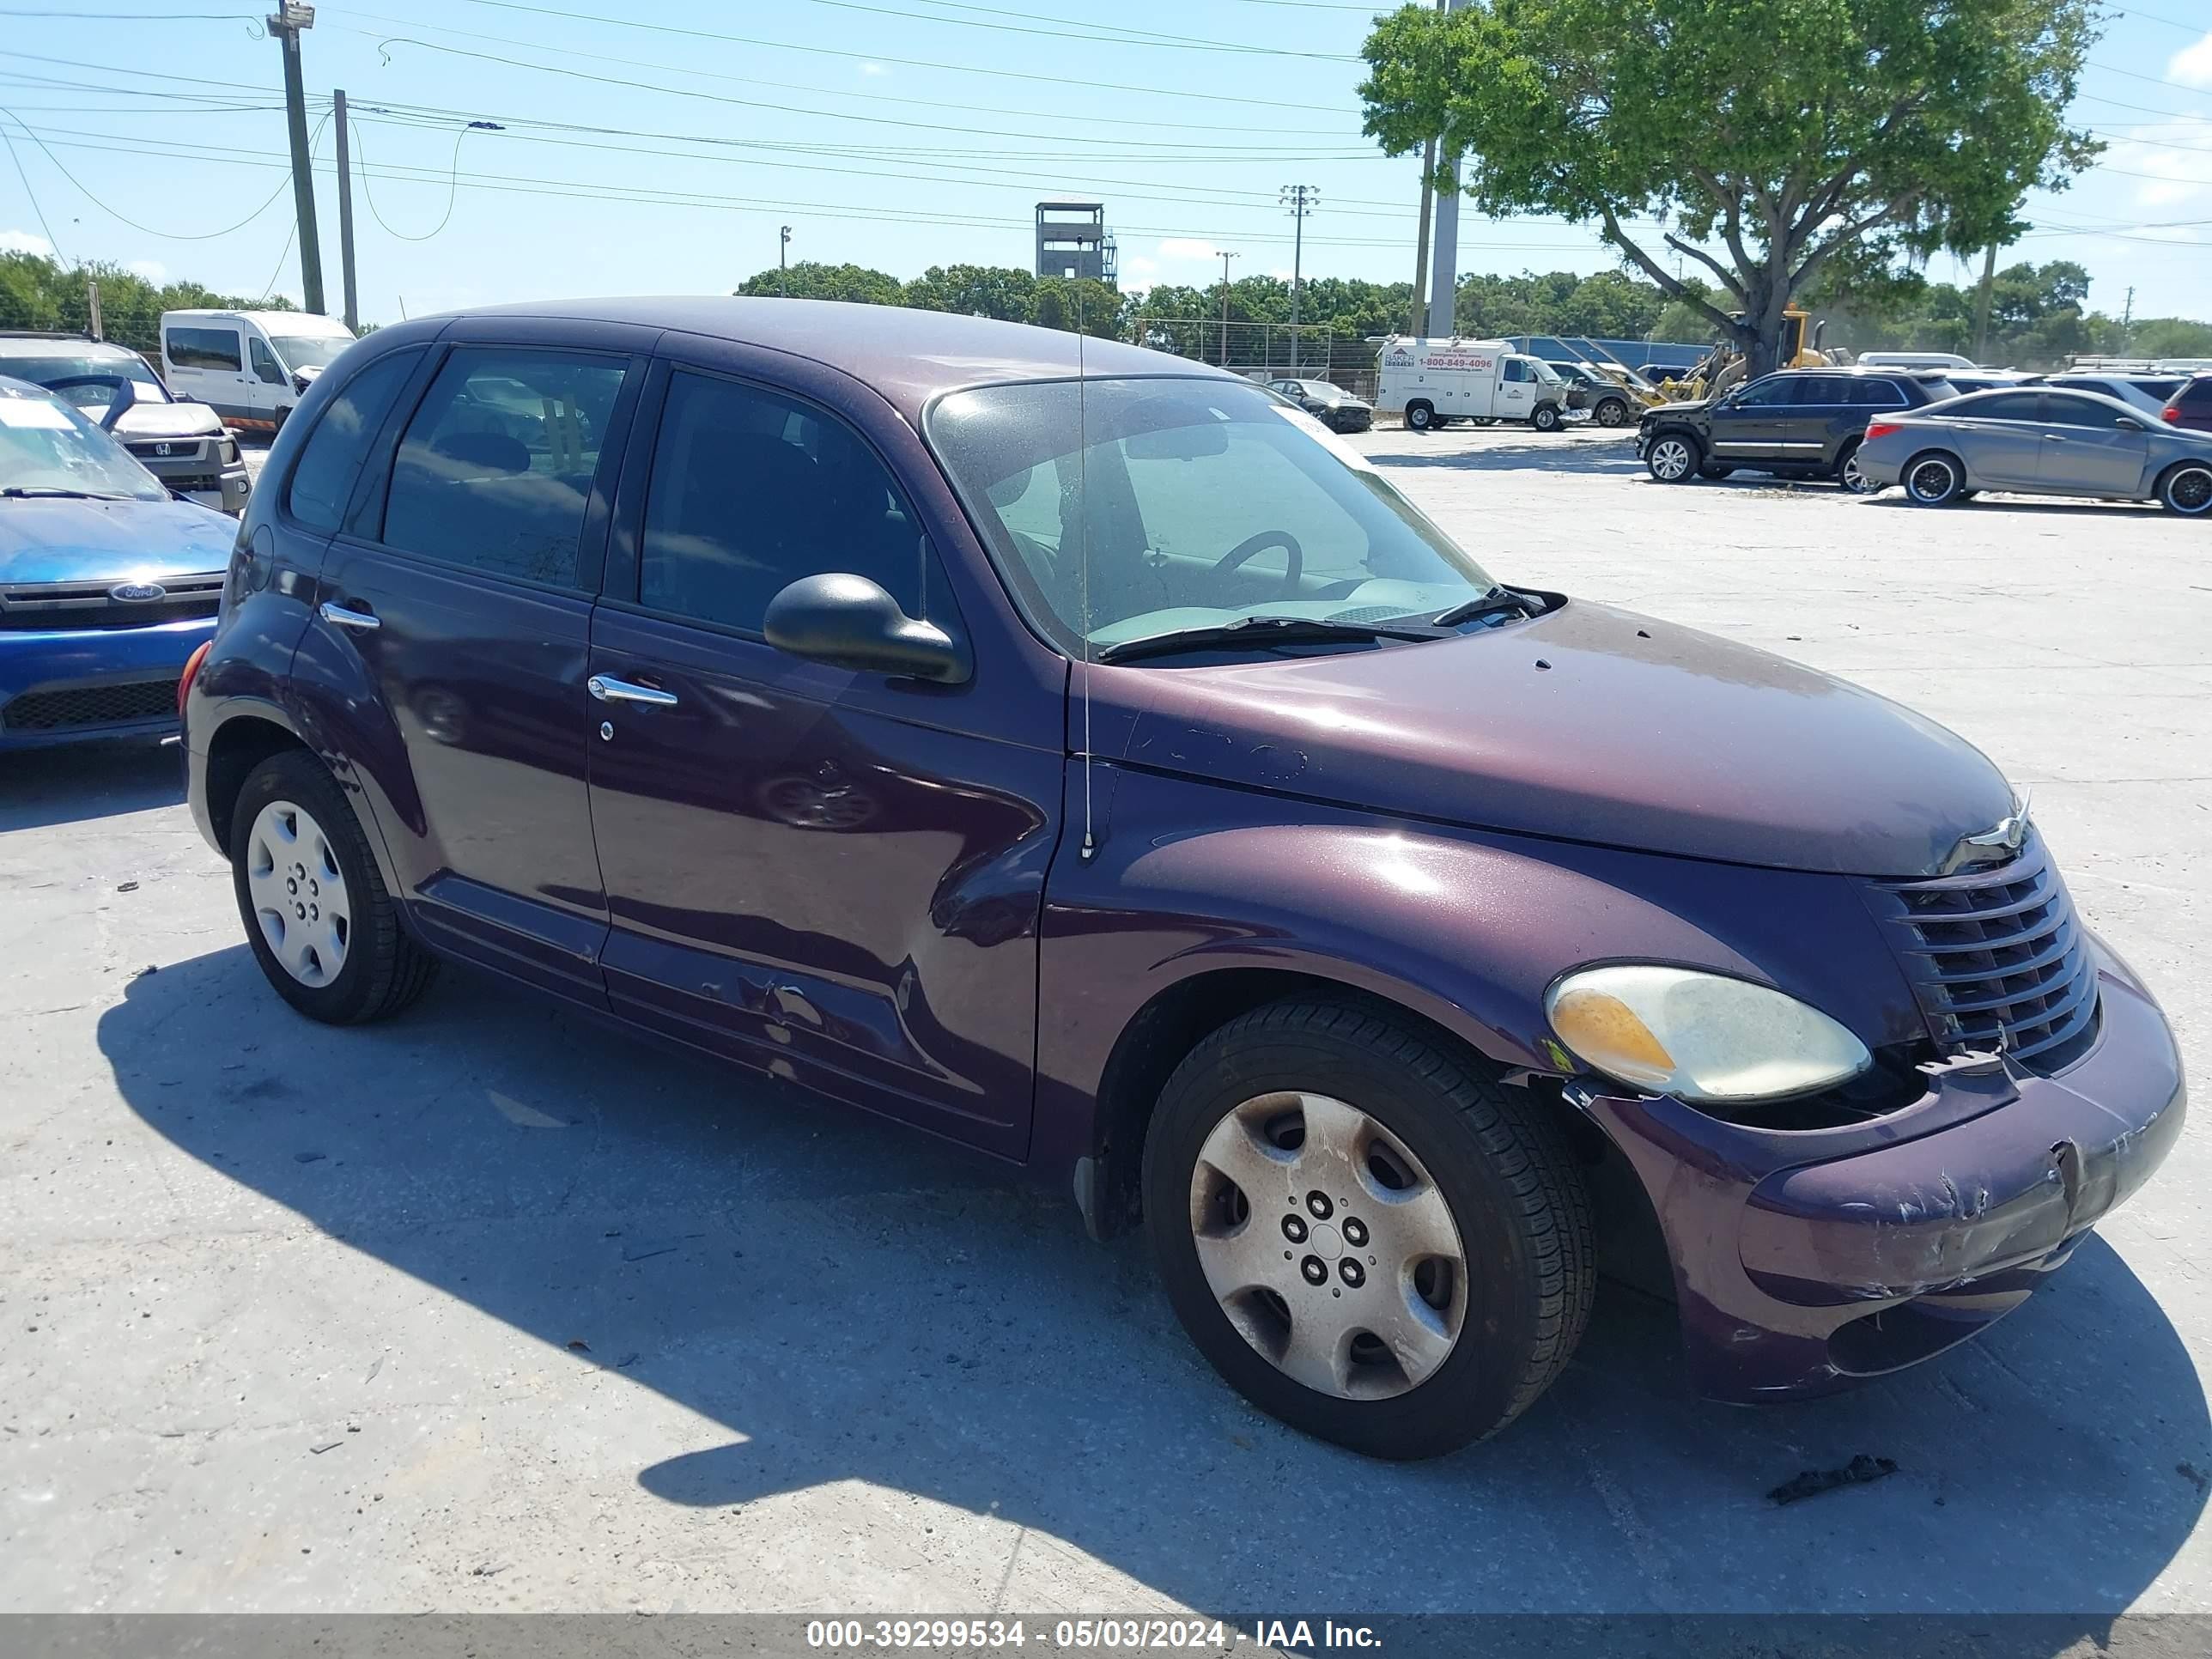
<point>108,583</point>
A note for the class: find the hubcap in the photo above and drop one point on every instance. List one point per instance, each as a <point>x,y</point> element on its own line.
<point>2192,491</point>
<point>1670,459</point>
<point>1328,1246</point>
<point>298,894</point>
<point>1854,480</point>
<point>1931,480</point>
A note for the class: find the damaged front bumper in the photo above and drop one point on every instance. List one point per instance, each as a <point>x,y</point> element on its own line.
<point>1806,1260</point>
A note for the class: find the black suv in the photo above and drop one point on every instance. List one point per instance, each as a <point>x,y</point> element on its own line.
<point>1798,423</point>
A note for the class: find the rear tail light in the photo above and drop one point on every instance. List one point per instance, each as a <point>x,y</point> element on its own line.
<point>2172,413</point>
<point>192,667</point>
<point>1882,429</point>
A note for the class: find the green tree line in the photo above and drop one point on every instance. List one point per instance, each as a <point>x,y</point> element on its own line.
<point>38,293</point>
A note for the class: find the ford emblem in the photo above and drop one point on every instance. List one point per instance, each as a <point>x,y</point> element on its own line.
<point>137,593</point>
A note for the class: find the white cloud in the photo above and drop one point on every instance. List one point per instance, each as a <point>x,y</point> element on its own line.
<point>2169,162</point>
<point>874,69</point>
<point>2192,66</point>
<point>22,241</point>
<point>152,270</point>
<point>1138,266</point>
<point>1187,247</point>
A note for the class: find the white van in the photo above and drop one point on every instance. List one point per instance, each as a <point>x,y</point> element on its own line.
<point>1431,383</point>
<point>250,366</point>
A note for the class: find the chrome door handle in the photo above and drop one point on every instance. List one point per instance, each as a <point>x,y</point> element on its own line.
<point>332,612</point>
<point>609,690</point>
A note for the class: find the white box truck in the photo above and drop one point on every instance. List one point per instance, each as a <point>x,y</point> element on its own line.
<point>251,366</point>
<point>1432,383</point>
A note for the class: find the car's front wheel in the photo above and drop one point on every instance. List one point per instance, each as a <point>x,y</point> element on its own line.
<point>2187,490</point>
<point>1547,417</point>
<point>1367,1237</point>
<point>317,914</point>
<point>1613,411</point>
<point>1672,457</point>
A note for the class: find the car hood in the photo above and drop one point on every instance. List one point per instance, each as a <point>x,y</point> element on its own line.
<point>168,421</point>
<point>1588,724</point>
<point>1684,406</point>
<point>73,541</point>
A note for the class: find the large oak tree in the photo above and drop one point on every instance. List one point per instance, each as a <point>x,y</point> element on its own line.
<point>1771,144</point>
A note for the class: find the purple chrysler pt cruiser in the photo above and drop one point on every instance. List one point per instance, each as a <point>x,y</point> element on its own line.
<point>1093,760</point>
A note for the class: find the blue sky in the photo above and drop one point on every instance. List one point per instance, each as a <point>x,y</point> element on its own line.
<point>894,133</point>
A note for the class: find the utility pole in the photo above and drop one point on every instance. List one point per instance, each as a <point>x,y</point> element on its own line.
<point>92,308</point>
<point>783,262</point>
<point>1982,305</point>
<point>2127,322</point>
<point>1225,257</point>
<point>1301,199</point>
<point>1417,321</point>
<point>1443,290</point>
<point>290,17</point>
<point>345,214</point>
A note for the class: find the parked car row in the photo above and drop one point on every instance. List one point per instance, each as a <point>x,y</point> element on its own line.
<point>2101,435</point>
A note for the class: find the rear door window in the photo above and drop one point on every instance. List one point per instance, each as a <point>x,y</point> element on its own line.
<point>205,348</point>
<point>2006,406</point>
<point>496,466</point>
<point>331,463</point>
<point>2063,411</point>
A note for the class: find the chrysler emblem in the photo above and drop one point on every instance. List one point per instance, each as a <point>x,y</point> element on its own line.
<point>2007,836</point>
<point>137,593</point>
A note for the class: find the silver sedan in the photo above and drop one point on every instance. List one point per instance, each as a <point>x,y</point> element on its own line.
<point>2039,441</point>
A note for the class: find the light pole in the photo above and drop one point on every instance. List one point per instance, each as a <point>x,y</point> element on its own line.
<point>290,17</point>
<point>1224,257</point>
<point>783,261</point>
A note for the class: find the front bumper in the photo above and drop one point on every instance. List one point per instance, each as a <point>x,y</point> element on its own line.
<point>1805,1261</point>
<point>89,684</point>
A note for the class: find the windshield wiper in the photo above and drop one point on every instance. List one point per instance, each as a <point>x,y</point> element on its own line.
<point>55,492</point>
<point>1263,632</point>
<point>1486,605</point>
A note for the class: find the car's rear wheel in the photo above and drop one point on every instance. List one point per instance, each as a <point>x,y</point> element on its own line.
<point>1613,411</point>
<point>1420,416</point>
<point>1366,1237</point>
<point>317,914</point>
<point>2187,490</point>
<point>1672,458</point>
<point>1934,480</point>
<point>1849,475</point>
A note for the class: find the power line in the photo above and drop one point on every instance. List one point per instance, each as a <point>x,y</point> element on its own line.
<point>1121,37</point>
<point>453,186</point>
<point>849,56</point>
<point>872,95</point>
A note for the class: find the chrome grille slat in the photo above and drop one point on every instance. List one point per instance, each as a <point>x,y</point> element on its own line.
<point>61,606</point>
<point>1996,956</point>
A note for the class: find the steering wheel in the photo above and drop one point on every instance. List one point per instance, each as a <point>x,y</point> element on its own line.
<point>1294,565</point>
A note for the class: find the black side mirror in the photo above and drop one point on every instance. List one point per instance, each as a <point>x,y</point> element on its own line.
<point>124,397</point>
<point>849,621</point>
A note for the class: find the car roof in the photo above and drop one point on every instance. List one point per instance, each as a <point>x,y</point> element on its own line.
<point>2120,404</point>
<point>60,345</point>
<point>908,355</point>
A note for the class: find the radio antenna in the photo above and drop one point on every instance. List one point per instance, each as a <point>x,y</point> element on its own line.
<point>1090,847</point>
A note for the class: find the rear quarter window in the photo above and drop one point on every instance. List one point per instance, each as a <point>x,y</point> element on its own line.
<point>2197,396</point>
<point>330,466</point>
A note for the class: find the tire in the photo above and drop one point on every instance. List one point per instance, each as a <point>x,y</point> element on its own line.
<point>1420,416</point>
<point>1614,412</point>
<point>1545,418</point>
<point>1848,474</point>
<point>342,968</point>
<point>1933,479</point>
<point>2187,490</point>
<point>1483,1276</point>
<point>1674,457</point>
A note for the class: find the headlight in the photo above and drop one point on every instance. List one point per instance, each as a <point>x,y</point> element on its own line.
<point>1702,1036</point>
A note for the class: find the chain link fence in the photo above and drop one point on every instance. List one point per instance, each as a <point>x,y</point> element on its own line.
<point>1265,351</point>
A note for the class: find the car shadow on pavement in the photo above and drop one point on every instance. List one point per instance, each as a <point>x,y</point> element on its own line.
<point>2040,505</point>
<point>854,1302</point>
<point>1494,451</point>
<point>43,786</point>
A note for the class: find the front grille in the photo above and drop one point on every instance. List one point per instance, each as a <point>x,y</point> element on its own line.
<point>167,449</point>
<point>91,705</point>
<point>1997,958</point>
<point>70,605</point>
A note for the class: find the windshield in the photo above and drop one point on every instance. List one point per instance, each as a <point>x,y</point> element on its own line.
<point>1204,502</point>
<point>309,350</point>
<point>47,447</point>
<point>44,368</point>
